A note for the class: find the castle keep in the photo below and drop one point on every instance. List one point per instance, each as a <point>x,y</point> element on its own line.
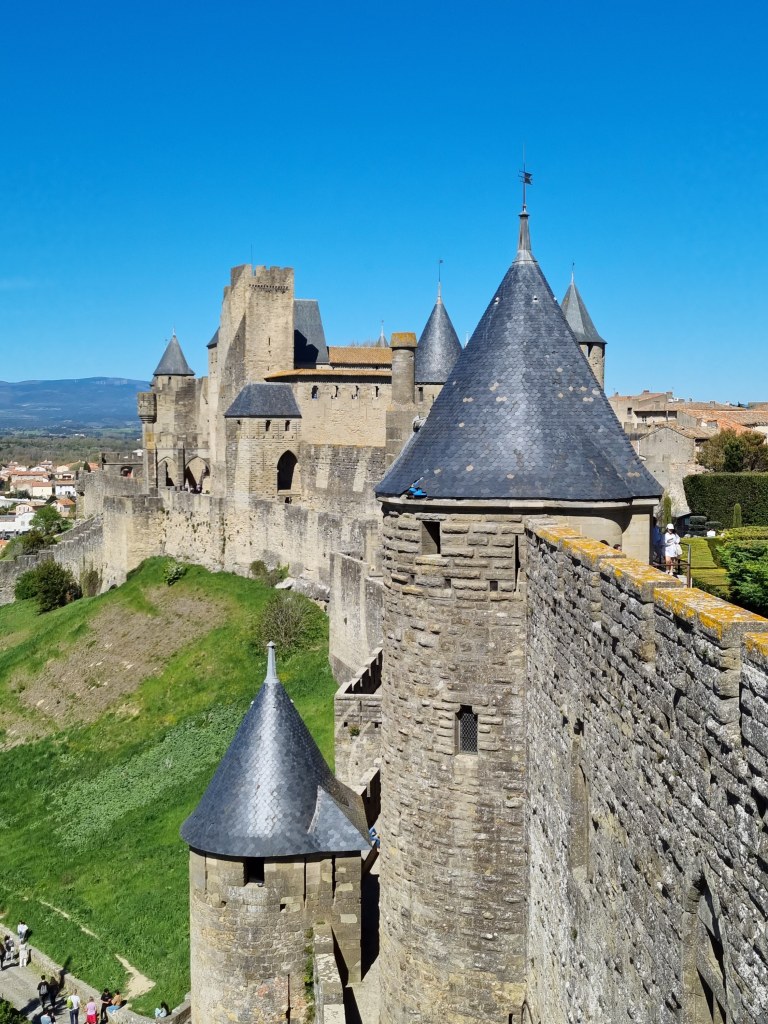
<point>571,749</point>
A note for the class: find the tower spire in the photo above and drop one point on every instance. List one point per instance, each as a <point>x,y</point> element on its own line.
<point>439,282</point>
<point>524,237</point>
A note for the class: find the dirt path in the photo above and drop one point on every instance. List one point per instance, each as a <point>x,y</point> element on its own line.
<point>138,983</point>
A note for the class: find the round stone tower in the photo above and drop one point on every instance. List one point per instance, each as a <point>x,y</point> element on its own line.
<point>275,847</point>
<point>520,427</point>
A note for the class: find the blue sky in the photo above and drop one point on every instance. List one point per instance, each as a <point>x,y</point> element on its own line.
<point>147,148</point>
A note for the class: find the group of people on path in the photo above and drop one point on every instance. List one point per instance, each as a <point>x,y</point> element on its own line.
<point>97,1011</point>
<point>11,952</point>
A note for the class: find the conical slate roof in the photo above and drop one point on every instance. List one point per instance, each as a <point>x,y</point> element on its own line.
<point>578,318</point>
<point>521,415</point>
<point>309,347</point>
<point>438,348</point>
<point>173,363</point>
<point>273,795</point>
<point>381,341</point>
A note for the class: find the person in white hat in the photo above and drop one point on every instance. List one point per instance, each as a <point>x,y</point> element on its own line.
<point>672,548</point>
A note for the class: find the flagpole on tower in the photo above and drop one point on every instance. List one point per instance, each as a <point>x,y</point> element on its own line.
<point>526,177</point>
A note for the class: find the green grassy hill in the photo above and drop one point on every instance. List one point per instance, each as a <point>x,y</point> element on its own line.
<point>114,712</point>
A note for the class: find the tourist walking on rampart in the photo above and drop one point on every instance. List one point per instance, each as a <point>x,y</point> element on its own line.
<point>44,992</point>
<point>73,1005</point>
<point>91,1013</point>
<point>22,930</point>
<point>2,956</point>
<point>23,953</point>
<point>672,548</point>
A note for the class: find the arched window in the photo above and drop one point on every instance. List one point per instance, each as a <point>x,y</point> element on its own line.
<point>287,426</point>
<point>286,471</point>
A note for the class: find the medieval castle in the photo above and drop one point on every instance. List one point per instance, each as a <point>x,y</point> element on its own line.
<point>566,751</point>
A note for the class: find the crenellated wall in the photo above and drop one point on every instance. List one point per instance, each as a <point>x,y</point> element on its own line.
<point>648,803</point>
<point>80,549</point>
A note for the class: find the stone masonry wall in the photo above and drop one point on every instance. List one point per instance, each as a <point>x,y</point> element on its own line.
<point>454,865</point>
<point>357,724</point>
<point>248,933</point>
<point>356,610</point>
<point>648,793</point>
<point>78,550</point>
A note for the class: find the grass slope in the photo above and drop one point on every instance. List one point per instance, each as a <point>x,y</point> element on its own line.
<point>91,809</point>
<point>704,572</point>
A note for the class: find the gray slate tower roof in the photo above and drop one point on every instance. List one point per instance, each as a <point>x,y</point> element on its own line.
<point>521,415</point>
<point>273,795</point>
<point>173,363</point>
<point>309,347</point>
<point>578,318</point>
<point>438,348</point>
<point>265,400</point>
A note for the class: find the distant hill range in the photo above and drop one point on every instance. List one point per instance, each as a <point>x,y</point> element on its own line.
<point>65,406</point>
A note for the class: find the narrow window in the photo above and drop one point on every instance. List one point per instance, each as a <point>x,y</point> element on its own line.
<point>315,391</point>
<point>466,730</point>
<point>335,393</point>
<point>421,394</point>
<point>267,425</point>
<point>254,870</point>
<point>430,538</point>
<point>494,585</point>
<point>356,392</point>
<point>287,426</point>
<point>376,391</point>
<point>578,837</point>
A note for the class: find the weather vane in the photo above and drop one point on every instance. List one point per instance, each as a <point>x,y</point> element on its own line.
<point>439,281</point>
<point>525,176</point>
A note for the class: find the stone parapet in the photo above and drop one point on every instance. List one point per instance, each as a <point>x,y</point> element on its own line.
<point>648,815</point>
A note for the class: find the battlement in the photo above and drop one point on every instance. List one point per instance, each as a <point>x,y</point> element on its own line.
<point>651,701</point>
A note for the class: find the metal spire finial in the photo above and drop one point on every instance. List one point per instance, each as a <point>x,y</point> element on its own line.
<point>526,178</point>
<point>271,664</point>
<point>439,282</point>
<point>573,272</point>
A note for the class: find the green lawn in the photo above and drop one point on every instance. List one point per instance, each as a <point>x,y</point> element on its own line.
<point>90,813</point>
<point>704,573</point>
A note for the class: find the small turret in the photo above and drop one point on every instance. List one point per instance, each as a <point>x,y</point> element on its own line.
<point>585,332</point>
<point>275,846</point>
<point>173,363</point>
<point>439,347</point>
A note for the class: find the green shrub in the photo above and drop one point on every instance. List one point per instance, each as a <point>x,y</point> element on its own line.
<point>666,510</point>
<point>9,1015</point>
<point>269,577</point>
<point>33,540</point>
<point>714,495</point>
<point>736,516</point>
<point>290,621</point>
<point>50,584</point>
<point>90,582</point>
<point>744,533</point>
<point>747,566</point>
<point>173,572</point>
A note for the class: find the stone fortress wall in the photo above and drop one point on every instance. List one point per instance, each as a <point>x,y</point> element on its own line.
<point>647,814</point>
<point>80,549</point>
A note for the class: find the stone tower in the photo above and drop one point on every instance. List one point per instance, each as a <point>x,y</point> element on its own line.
<point>436,354</point>
<point>168,413</point>
<point>263,427</point>
<point>275,847</point>
<point>521,426</point>
<point>580,322</point>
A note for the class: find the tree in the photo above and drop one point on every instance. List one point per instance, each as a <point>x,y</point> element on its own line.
<point>729,452</point>
<point>666,510</point>
<point>48,521</point>
<point>50,584</point>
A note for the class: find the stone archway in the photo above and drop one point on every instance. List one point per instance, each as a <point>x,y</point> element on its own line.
<point>287,472</point>
<point>165,474</point>
<point>197,476</point>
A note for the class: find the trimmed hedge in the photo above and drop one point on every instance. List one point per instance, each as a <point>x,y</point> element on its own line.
<point>714,495</point>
